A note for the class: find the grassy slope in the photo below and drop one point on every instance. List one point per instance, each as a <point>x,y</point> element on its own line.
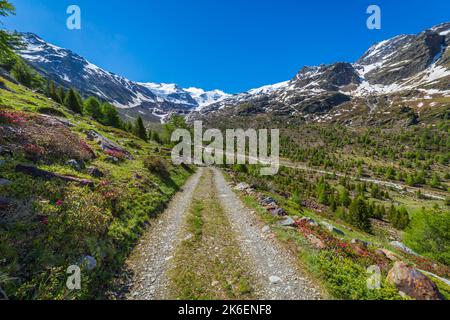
<point>341,271</point>
<point>103,221</point>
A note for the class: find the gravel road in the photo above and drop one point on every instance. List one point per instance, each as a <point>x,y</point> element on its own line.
<point>276,270</point>
<point>150,258</point>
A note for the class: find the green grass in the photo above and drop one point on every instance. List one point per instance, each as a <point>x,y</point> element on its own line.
<point>104,221</point>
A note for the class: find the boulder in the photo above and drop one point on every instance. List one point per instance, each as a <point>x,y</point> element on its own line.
<point>4,182</point>
<point>242,186</point>
<point>316,242</point>
<point>287,222</point>
<point>6,203</point>
<point>388,254</point>
<point>74,164</point>
<point>412,282</point>
<point>403,247</point>
<point>112,159</point>
<point>89,262</point>
<point>309,221</point>
<point>360,243</point>
<point>95,172</point>
<point>278,212</point>
<point>268,201</point>
<point>106,144</point>
<point>332,229</point>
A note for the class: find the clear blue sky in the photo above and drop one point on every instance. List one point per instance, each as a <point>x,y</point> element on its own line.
<point>233,45</point>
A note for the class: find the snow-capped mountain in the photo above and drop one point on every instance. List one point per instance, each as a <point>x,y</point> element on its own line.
<point>152,101</point>
<point>410,65</point>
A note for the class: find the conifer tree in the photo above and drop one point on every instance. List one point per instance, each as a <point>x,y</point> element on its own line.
<point>140,130</point>
<point>72,102</point>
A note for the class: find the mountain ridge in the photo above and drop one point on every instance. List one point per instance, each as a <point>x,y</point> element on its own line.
<point>419,62</point>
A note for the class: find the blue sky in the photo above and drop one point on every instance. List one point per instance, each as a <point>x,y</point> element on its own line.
<point>233,45</point>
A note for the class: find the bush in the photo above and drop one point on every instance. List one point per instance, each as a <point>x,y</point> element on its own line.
<point>429,234</point>
<point>51,111</point>
<point>155,165</point>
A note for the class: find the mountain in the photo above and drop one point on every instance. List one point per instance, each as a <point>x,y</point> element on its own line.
<point>406,68</point>
<point>152,101</point>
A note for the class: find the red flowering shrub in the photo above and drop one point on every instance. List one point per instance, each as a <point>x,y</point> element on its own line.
<point>116,154</point>
<point>343,248</point>
<point>12,117</point>
<point>41,138</point>
<point>33,152</point>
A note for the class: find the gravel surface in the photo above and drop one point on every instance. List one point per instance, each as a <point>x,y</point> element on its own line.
<point>274,267</point>
<point>274,270</point>
<point>151,256</point>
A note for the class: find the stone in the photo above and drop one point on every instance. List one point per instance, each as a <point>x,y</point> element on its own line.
<point>388,254</point>
<point>112,159</point>
<point>316,242</point>
<point>74,164</point>
<point>6,203</point>
<point>360,242</point>
<point>332,229</point>
<point>274,279</point>
<point>89,262</point>
<point>309,221</point>
<point>268,201</point>
<point>265,229</point>
<point>95,172</point>
<point>287,222</point>
<point>403,247</point>
<point>106,144</point>
<point>4,182</point>
<point>412,282</point>
<point>242,186</point>
<point>278,212</point>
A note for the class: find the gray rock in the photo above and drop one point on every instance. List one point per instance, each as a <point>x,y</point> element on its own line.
<point>403,247</point>
<point>89,262</point>
<point>268,201</point>
<point>74,164</point>
<point>106,144</point>
<point>287,222</point>
<point>332,229</point>
<point>278,212</point>
<point>360,242</point>
<point>112,159</point>
<point>274,279</point>
<point>4,182</point>
<point>309,221</point>
<point>242,186</point>
<point>95,172</point>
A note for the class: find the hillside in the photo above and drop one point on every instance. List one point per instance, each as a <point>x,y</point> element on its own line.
<point>72,192</point>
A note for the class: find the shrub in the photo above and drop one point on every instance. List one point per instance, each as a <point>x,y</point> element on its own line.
<point>429,234</point>
<point>51,111</point>
<point>155,165</point>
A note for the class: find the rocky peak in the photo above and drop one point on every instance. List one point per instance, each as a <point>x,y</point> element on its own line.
<point>326,77</point>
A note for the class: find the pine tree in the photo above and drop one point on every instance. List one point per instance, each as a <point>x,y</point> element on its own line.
<point>359,214</point>
<point>72,102</point>
<point>52,93</point>
<point>110,116</point>
<point>140,130</point>
<point>61,95</point>
<point>93,108</point>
